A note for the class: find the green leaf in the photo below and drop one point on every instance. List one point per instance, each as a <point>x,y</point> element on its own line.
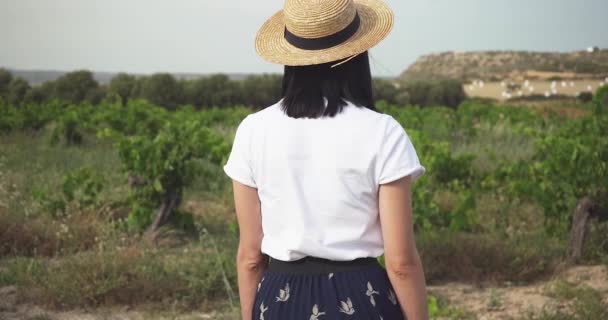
<point>158,185</point>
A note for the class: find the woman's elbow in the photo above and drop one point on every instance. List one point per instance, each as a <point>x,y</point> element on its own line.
<point>250,260</point>
<point>404,268</point>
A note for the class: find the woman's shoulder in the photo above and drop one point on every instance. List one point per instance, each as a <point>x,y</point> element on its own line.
<point>374,117</point>
<point>265,113</point>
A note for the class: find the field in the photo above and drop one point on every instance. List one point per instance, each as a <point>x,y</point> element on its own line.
<point>80,186</point>
<point>500,90</point>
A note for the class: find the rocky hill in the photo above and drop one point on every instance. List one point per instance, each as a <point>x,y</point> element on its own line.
<point>497,65</point>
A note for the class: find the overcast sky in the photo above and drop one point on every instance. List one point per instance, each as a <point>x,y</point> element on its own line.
<point>205,36</point>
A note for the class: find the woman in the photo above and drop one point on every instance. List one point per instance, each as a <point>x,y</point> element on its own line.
<point>322,180</point>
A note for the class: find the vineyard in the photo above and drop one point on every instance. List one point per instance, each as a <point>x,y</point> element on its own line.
<point>125,202</point>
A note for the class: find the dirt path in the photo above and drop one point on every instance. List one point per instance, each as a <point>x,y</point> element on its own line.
<point>486,303</point>
<point>511,302</point>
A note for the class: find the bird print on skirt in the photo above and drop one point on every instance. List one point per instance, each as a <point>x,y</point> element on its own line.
<point>316,313</point>
<point>262,310</point>
<point>391,296</point>
<point>284,298</point>
<point>347,307</point>
<point>370,293</point>
<point>283,293</point>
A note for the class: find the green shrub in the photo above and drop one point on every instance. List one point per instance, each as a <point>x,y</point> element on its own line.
<point>600,100</point>
<point>165,163</point>
<point>585,96</point>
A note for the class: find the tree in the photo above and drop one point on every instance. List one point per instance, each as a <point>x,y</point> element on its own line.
<point>138,87</point>
<point>40,94</point>
<point>385,90</point>
<point>453,93</point>
<point>419,92</point>
<point>447,93</point>
<point>162,89</point>
<point>123,85</point>
<point>96,95</point>
<point>261,91</point>
<point>17,90</point>
<point>5,80</point>
<point>74,87</point>
<point>214,91</point>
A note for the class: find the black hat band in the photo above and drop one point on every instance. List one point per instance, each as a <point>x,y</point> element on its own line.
<point>326,42</point>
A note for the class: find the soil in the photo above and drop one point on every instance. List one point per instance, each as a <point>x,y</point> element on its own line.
<point>511,302</point>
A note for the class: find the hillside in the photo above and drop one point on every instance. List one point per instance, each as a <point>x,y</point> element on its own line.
<point>497,65</point>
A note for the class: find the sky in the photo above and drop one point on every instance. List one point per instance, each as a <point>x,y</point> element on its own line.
<point>211,36</point>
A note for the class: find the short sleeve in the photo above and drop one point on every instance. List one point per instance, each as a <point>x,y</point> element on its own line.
<point>397,157</point>
<point>238,167</point>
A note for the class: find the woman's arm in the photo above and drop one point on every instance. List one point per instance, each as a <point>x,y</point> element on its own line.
<point>403,263</point>
<point>250,262</point>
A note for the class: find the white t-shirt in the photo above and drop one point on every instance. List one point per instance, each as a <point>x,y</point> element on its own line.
<point>318,179</point>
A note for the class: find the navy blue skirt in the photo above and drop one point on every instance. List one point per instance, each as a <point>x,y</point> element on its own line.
<point>314,288</point>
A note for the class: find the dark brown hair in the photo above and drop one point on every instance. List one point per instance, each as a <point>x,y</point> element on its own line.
<point>305,87</point>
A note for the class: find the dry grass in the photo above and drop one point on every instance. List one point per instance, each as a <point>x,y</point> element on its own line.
<point>43,236</point>
<point>488,258</point>
<point>188,277</point>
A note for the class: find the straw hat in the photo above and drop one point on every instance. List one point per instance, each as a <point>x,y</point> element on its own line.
<point>309,32</point>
